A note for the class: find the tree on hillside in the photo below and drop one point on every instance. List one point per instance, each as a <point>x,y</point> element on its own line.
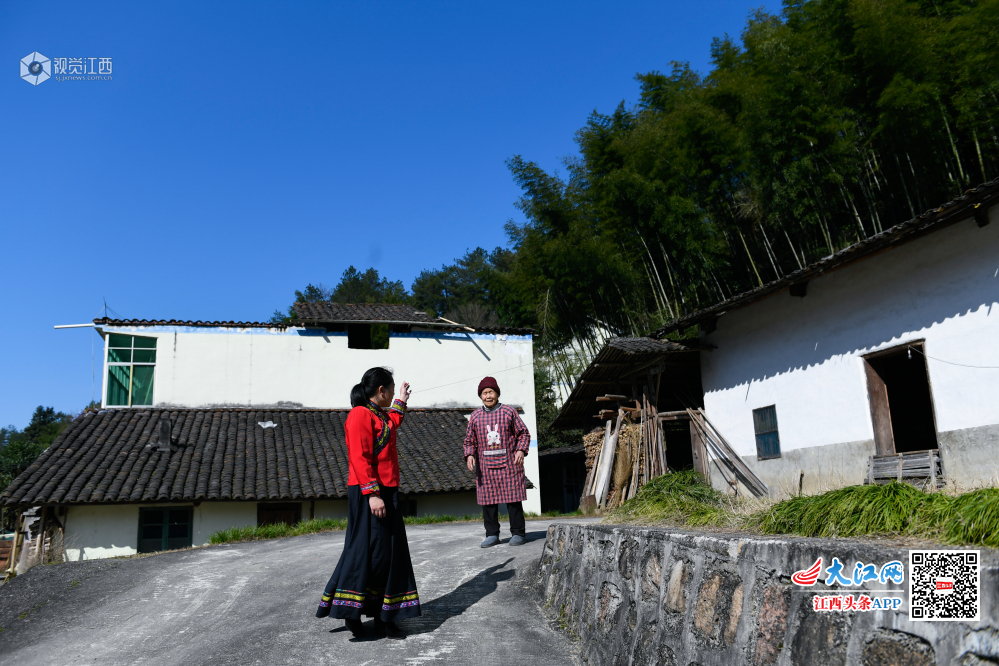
<point>354,287</point>
<point>461,291</point>
<point>824,125</point>
<point>20,448</point>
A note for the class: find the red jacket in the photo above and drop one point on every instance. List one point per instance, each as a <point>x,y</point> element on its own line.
<point>371,452</point>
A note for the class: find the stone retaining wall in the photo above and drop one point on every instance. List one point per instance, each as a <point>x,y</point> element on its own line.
<point>650,596</point>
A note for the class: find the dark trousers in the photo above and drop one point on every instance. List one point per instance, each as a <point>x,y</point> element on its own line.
<point>490,516</point>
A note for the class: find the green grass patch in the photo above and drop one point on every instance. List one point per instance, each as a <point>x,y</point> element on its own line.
<point>314,526</point>
<point>445,518</point>
<point>680,498</point>
<point>893,509</point>
<point>317,525</point>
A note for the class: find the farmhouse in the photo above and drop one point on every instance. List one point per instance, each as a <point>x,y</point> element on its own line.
<point>210,425</point>
<point>877,362</point>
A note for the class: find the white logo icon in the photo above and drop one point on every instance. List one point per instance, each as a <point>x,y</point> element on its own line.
<point>493,436</point>
<point>35,68</point>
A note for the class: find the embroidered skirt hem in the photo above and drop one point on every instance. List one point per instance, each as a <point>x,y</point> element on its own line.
<point>374,576</point>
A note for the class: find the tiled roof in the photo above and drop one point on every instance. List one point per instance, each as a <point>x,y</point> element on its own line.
<point>364,312</point>
<point>106,321</point>
<point>612,370</point>
<point>224,454</point>
<point>974,202</point>
<point>644,345</point>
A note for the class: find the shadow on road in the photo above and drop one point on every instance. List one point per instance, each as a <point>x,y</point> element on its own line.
<point>437,611</point>
<point>537,534</point>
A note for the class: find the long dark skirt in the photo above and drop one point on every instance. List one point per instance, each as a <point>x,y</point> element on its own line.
<point>374,576</point>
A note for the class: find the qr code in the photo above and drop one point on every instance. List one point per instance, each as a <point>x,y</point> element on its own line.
<point>944,585</point>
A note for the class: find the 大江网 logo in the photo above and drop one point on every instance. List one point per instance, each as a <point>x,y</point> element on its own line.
<point>35,68</point>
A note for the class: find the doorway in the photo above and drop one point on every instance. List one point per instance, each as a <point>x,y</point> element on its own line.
<point>676,439</point>
<point>898,387</point>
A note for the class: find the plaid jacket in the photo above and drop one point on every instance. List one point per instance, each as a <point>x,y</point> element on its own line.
<point>492,438</point>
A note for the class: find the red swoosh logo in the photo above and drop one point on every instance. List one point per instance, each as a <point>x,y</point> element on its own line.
<point>809,575</point>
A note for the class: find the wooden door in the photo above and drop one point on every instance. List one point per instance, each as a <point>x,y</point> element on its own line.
<point>877,394</point>
<point>698,452</point>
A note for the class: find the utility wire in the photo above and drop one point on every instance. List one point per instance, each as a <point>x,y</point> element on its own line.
<point>963,365</point>
<point>473,378</point>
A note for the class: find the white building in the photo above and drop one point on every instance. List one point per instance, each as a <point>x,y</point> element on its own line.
<point>253,413</point>
<point>879,361</point>
<point>886,347</point>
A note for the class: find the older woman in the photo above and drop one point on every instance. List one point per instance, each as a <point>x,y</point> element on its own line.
<point>374,576</point>
<point>495,445</point>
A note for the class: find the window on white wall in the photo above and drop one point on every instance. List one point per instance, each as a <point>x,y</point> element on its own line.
<point>131,364</point>
<point>767,439</point>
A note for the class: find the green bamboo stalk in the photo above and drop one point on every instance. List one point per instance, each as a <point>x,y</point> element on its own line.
<point>751,262</point>
<point>981,163</point>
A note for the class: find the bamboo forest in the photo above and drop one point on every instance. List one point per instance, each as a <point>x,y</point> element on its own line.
<point>815,128</point>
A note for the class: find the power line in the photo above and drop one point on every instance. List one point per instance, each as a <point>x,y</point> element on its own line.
<point>474,378</point>
<point>963,365</point>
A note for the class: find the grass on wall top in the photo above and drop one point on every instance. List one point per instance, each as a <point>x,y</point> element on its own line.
<point>896,509</point>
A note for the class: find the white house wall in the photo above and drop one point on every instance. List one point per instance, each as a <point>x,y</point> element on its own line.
<point>804,356</point>
<point>200,367</point>
<point>96,531</point>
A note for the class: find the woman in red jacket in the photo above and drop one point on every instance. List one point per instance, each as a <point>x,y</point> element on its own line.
<point>375,574</point>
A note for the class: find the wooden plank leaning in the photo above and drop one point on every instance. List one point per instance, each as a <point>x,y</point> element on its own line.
<point>591,478</point>
<point>607,462</point>
<point>724,451</point>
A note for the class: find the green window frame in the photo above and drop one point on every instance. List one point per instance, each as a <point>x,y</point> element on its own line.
<point>165,528</point>
<point>131,361</point>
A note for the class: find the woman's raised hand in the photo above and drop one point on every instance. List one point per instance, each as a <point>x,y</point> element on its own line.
<point>405,392</point>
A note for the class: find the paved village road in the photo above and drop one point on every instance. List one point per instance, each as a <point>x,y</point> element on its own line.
<point>254,603</point>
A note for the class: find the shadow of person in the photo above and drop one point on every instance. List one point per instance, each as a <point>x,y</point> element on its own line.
<point>537,534</point>
<point>437,611</point>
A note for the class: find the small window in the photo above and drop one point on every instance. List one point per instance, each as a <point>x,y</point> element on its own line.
<point>131,361</point>
<point>289,513</point>
<point>164,529</point>
<point>367,336</point>
<point>767,439</point>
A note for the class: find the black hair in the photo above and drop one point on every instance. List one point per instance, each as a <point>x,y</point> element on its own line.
<point>370,382</point>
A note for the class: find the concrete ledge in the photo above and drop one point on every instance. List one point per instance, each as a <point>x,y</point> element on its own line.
<point>651,596</point>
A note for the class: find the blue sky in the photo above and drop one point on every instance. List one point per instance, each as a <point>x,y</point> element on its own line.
<point>243,150</point>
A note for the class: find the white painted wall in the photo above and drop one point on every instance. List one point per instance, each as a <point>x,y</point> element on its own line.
<point>804,354</point>
<point>112,530</point>
<point>447,504</point>
<point>101,530</point>
<point>309,368</point>
<point>97,531</point>
<point>327,509</point>
<point>211,517</point>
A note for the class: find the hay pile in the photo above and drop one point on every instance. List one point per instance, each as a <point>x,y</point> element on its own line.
<point>627,448</point>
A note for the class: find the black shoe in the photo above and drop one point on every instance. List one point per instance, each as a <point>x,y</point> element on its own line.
<point>388,629</point>
<point>356,627</point>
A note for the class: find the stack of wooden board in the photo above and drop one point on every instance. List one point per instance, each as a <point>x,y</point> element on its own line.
<point>909,466</point>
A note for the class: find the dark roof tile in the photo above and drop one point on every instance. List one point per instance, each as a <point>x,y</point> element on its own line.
<point>223,454</point>
<point>363,312</point>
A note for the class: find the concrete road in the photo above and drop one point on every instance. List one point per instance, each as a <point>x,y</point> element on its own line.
<point>254,603</point>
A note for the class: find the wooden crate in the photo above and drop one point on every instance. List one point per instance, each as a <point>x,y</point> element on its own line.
<point>910,466</point>
<point>5,547</point>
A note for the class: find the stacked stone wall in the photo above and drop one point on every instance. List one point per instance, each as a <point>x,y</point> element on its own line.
<point>633,596</point>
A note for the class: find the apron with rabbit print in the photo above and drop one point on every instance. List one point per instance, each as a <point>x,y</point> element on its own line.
<point>493,437</point>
